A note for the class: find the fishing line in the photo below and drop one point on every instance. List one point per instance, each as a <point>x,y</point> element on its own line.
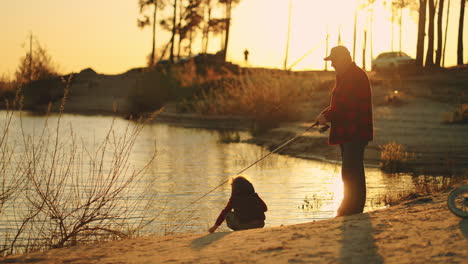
<point>321,129</point>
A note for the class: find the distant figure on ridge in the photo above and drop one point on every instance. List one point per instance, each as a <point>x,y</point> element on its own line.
<point>350,115</point>
<point>246,56</point>
<point>249,208</point>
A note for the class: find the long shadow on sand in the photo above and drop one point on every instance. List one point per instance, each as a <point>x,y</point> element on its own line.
<point>358,242</point>
<point>204,241</point>
<point>464,227</point>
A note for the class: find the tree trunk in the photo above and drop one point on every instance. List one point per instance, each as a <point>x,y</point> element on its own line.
<point>206,28</point>
<point>430,38</point>
<point>190,43</point>
<point>228,24</point>
<point>364,51</point>
<point>421,33</point>
<point>439,33</point>
<point>460,33</point>
<point>446,33</point>
<point>285,64</point>
<point>400,22</point>
<point>340,42</point>
<point>354,34</point>
<point>208,31</point>
<point>393,27</point>
<point>152,60</point>
<point>179,27</point>
<point>372,34</point>
<point>171,56</point>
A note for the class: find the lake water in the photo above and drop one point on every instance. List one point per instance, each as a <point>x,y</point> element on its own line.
<point>190,162</point>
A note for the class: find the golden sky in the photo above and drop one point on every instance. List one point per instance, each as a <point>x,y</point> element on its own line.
<point>103,34</point>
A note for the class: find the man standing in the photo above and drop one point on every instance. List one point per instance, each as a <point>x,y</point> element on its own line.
<point>350,115</point>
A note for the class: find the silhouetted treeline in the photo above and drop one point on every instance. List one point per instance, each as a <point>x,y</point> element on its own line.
<point>436,34</point>
<point>189,21</point>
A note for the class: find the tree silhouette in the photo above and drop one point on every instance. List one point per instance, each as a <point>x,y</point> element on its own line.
<point>421,32</point>
<point>446,33</point>
<point>398,6</point>
<point>430,37</point>
<point>168,24</point>
<point>460,33</point>
<point>438,55</point>
<point>146,21</point>
<point>189,22</point>
<point>184,24</point>
<point>174,31</point>
<point>370,7</point>
<point>217,26</point>
<point>207,5</point>
<point>35,65</point>
<point>228,8</point>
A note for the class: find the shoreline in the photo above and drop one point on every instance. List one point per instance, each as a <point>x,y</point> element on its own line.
<point>421,230</point>
<point>313,145</point>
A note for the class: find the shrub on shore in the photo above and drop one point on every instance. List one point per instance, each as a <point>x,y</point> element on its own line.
<point>265,97</point>
<point>423,186</point>
<point>459,115</point>
<point>394,158</point>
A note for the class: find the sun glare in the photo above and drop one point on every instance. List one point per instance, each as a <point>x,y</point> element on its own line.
<point>311,23</point>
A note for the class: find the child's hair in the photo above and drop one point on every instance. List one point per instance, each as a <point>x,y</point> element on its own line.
<point>241,185</point>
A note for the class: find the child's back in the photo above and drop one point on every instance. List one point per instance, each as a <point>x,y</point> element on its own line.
<point>249,208</point>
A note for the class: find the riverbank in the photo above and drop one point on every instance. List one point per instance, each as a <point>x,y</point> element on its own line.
<point>417,231</point>
<point>414,111</point>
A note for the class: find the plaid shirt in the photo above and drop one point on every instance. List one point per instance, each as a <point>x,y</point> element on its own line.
<point>350,110</point>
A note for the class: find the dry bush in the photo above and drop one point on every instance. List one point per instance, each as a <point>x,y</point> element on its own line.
<point>7,86</point>
<point>311,203</point>
<point>423,186</point>
<point>394,158</point>
<point>264,97</point>
<point>37,65</point>
<point>228,136</point>
<point>9,186</point>
<point>71,194</point>
<point>458,116</point>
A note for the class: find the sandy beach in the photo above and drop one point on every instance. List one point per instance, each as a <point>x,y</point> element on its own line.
<point>417,231</point>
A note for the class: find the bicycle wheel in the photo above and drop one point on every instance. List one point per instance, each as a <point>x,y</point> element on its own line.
<point>457,201</point>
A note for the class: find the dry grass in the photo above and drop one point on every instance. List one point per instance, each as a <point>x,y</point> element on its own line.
<point>7,86</point>
<point>423,186</point>
<point>68,194</point>
<point>458,116</point>
<point>311,203</point>
<point>262,96</point>
<point>394,158</point>
<point>229,136</point>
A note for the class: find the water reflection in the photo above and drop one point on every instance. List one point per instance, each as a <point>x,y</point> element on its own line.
<point>190,162</point>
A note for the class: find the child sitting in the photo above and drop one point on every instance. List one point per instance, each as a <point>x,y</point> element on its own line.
<point>249,208</point>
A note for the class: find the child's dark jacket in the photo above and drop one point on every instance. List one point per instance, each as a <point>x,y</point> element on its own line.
<point>247,207</point>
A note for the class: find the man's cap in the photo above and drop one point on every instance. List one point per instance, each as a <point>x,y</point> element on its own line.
<point>338,51</point>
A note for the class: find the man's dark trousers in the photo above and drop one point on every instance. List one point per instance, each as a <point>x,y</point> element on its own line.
<point>353,176</point>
